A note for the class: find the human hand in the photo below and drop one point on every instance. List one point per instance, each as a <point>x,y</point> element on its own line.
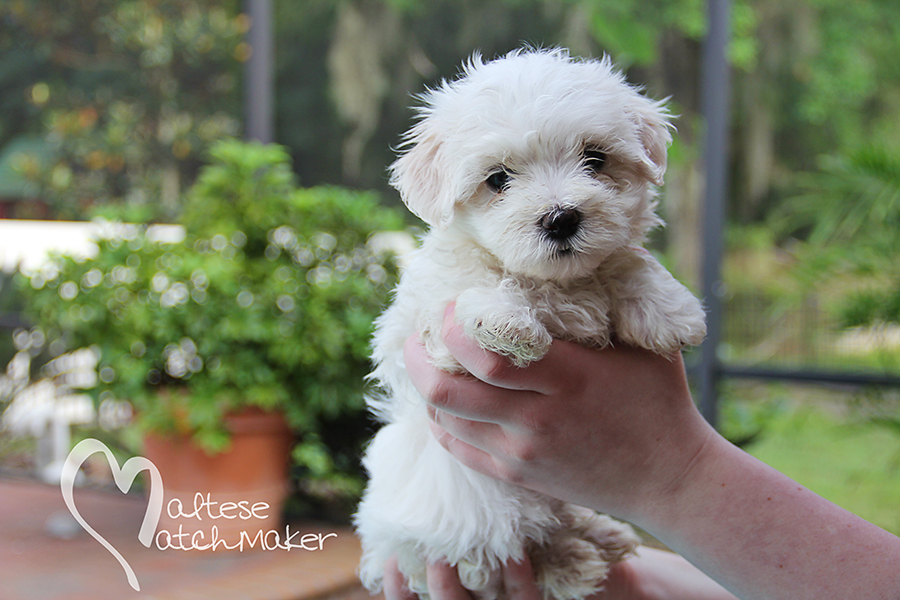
<point>616,430</point>
<point>443,582</point>
<point>611,429</point>
<point>651,575</point>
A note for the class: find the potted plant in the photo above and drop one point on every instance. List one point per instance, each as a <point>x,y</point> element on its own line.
<point>258,320</point>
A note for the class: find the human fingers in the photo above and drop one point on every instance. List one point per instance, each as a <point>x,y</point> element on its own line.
<point>455,393</point>
<point>469,455</point>
<point>519,582</point>
<point>395,587</point>
<point>444,584</point>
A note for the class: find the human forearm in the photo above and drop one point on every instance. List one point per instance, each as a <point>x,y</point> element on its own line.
<point>762,535</point>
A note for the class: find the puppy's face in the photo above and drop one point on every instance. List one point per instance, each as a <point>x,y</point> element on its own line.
<point>548,163</point>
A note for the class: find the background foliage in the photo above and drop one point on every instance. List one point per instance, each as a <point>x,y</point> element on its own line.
<point>125,94</point>
<point>110,106</point>
<point>267,302</point>
<point>128,93</point>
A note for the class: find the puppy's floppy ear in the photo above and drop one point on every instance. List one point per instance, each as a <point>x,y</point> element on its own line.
<point>422,176</point>
<point>653,122</point>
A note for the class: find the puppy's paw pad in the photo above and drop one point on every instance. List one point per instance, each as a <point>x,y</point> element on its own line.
<point>569,568</point>
<point>499,322</point>
<point>675,335</point>
<point>576,559</point>
<point>521,343</point>
<point>693,329</point>
<point>613,539</point>
<point>661,329</point>
<point>474,577</point>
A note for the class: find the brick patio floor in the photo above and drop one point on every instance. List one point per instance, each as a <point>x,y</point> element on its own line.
<point>35,565</point>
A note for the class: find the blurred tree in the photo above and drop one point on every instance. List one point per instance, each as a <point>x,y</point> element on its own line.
<point>130,93</point>
<point>849,214</point>
<point>825,81</point>
<point>347,71</point>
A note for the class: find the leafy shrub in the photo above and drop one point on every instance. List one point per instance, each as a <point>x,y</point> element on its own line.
<point>268,301</point>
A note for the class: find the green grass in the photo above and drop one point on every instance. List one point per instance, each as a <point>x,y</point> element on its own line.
<point>855,465</point>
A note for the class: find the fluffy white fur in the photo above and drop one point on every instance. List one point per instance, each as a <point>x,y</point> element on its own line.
<point>496,157</point>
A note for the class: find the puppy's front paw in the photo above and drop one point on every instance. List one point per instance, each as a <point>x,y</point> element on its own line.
<point>499,322</point>
<point>521,341</point>
<point>664,327</point>
<point>478,577</point>
<point>573,564</point>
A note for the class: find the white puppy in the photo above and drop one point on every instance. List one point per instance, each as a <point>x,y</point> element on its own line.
<point>537,175</point>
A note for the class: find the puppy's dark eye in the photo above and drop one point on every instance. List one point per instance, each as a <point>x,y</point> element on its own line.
<point>498,181</point>
<point>594,160</point>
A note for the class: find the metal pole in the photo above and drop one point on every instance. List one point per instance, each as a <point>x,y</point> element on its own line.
<point>714,96</point>
<point>258,74</point>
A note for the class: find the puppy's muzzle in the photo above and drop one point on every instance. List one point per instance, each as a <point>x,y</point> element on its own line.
<point>561,223</point>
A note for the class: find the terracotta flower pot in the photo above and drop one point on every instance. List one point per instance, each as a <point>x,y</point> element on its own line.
<point>240,492</point>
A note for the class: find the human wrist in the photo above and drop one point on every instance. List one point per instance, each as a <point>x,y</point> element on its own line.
<point>667,453</point>
<point>681,481</point>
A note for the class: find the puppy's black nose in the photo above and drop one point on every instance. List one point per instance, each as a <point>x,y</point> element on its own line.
<point>561,223</point>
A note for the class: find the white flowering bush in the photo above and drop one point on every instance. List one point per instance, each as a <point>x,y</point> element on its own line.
<point>268,301</point>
